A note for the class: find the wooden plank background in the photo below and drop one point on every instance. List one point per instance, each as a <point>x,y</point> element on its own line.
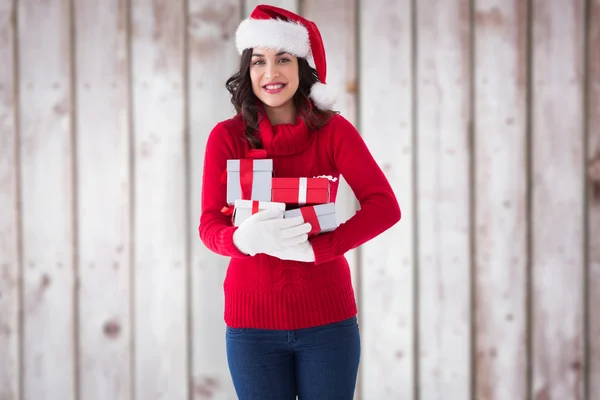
<point>592,165</point>
<point>557,261</point>
<point>483,114</point>
<point>161,337</point>
<point>500,225</point>
<point>387,274</point>
<point>10,261</point>
<point>48,209</point>
<point>443,188</point>
<point>103,218</point>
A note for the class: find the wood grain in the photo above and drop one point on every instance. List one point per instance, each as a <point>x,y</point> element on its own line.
<point>558,204</point>
<point>46,148</point>
<point>212,60</point>
<point>160,206</point>
<point>10,263</point>
<point>593,200</point>
<point>104,203</point>
<point>94,322</point>
<point>501,199</point>
<point>291,5</point>
<point>387,262</point>
<point>443,198</point>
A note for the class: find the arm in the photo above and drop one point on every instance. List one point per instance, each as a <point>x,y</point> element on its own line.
<point>216,229</point>
<point>379,209</point>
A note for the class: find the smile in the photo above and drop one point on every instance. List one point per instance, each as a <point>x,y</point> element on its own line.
<point>274,88</point>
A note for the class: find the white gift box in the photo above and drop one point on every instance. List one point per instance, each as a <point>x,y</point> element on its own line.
<point>243,209</point>
<point>261,176</point>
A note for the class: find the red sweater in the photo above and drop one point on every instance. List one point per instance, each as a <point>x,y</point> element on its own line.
<point>264,291</point>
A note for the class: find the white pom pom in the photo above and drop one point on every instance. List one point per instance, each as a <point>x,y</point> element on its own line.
<point>323,96</point>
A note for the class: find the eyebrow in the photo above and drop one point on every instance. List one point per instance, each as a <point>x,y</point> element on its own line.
<point>277,55</point>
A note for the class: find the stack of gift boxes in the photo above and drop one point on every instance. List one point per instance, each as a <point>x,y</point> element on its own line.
<point>251,187</point>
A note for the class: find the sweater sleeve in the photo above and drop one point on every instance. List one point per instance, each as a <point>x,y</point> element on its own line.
<point>379,209</point>
<point>216,229</point>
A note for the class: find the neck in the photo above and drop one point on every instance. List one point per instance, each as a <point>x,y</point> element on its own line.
<point>285,114</point>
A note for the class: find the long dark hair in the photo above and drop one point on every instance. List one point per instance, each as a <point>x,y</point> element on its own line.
<point>247,104</point>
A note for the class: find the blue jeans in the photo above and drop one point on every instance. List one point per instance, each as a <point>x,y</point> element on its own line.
<point>319,363</point>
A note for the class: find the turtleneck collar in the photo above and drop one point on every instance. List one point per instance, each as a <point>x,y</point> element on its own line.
<point>283,139</point>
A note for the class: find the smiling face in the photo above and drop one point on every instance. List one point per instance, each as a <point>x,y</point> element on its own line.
<point>274,76</point>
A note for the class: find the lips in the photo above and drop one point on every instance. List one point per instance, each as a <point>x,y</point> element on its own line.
<point>275,87</point>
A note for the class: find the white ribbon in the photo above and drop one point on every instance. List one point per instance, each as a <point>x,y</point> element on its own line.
<point>302,187</point>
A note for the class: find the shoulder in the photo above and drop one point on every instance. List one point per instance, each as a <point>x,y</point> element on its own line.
<point>342,136</point>
<point>227,136</point>
<point>229,128</point>
<point>230,131</point>
<point>339,126</point>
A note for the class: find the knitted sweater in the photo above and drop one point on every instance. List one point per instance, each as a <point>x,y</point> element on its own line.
<point>263,291</point>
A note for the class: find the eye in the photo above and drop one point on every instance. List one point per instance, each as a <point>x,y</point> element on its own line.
<point>257,62</point>
<point>284,60</point>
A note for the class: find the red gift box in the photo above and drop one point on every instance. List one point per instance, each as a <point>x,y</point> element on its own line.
<point>300,191</point>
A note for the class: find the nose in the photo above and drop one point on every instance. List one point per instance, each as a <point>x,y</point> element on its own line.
<point>272,71</point>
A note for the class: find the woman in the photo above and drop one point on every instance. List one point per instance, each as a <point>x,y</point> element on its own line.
<point>290,308</point>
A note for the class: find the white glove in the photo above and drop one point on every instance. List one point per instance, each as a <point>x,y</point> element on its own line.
<point>267,231</point>
<point>299,252</point>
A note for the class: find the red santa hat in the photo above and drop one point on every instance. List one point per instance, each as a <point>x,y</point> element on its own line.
<point>276,28</point>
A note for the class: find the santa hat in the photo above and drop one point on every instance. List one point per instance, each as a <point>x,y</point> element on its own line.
<point>276,28</point>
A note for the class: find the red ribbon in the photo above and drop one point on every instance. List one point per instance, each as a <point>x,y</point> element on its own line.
<point>254,206</point>
<point>246,177</point>
<point>310,215</point>
<point>247,171</point>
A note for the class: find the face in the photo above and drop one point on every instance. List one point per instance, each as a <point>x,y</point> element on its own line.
<point>274,76</point>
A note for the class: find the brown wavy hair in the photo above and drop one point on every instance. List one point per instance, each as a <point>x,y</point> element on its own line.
<point>246,103</point>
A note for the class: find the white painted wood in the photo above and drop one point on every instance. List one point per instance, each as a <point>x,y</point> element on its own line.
<point>47,200</point>
<point>10,263</point>
<point>336,22</point>
<point>387,262</point>
<point>166,213</point>
<point>501,199</point>
<point>212,60</point>
<point>161,348</point>
<point>593,174</point>
<point>557,199</point>
<point>444,213</point>
<point>291,5</point>
<point>104,204</point>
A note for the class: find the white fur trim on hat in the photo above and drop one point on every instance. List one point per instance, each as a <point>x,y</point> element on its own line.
<point>323,96</point>
<point>273,33</point>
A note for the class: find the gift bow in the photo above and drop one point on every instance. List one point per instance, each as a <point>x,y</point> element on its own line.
<point>256,153</point>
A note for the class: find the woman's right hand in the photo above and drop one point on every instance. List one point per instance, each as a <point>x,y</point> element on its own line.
<point>267,232</point>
